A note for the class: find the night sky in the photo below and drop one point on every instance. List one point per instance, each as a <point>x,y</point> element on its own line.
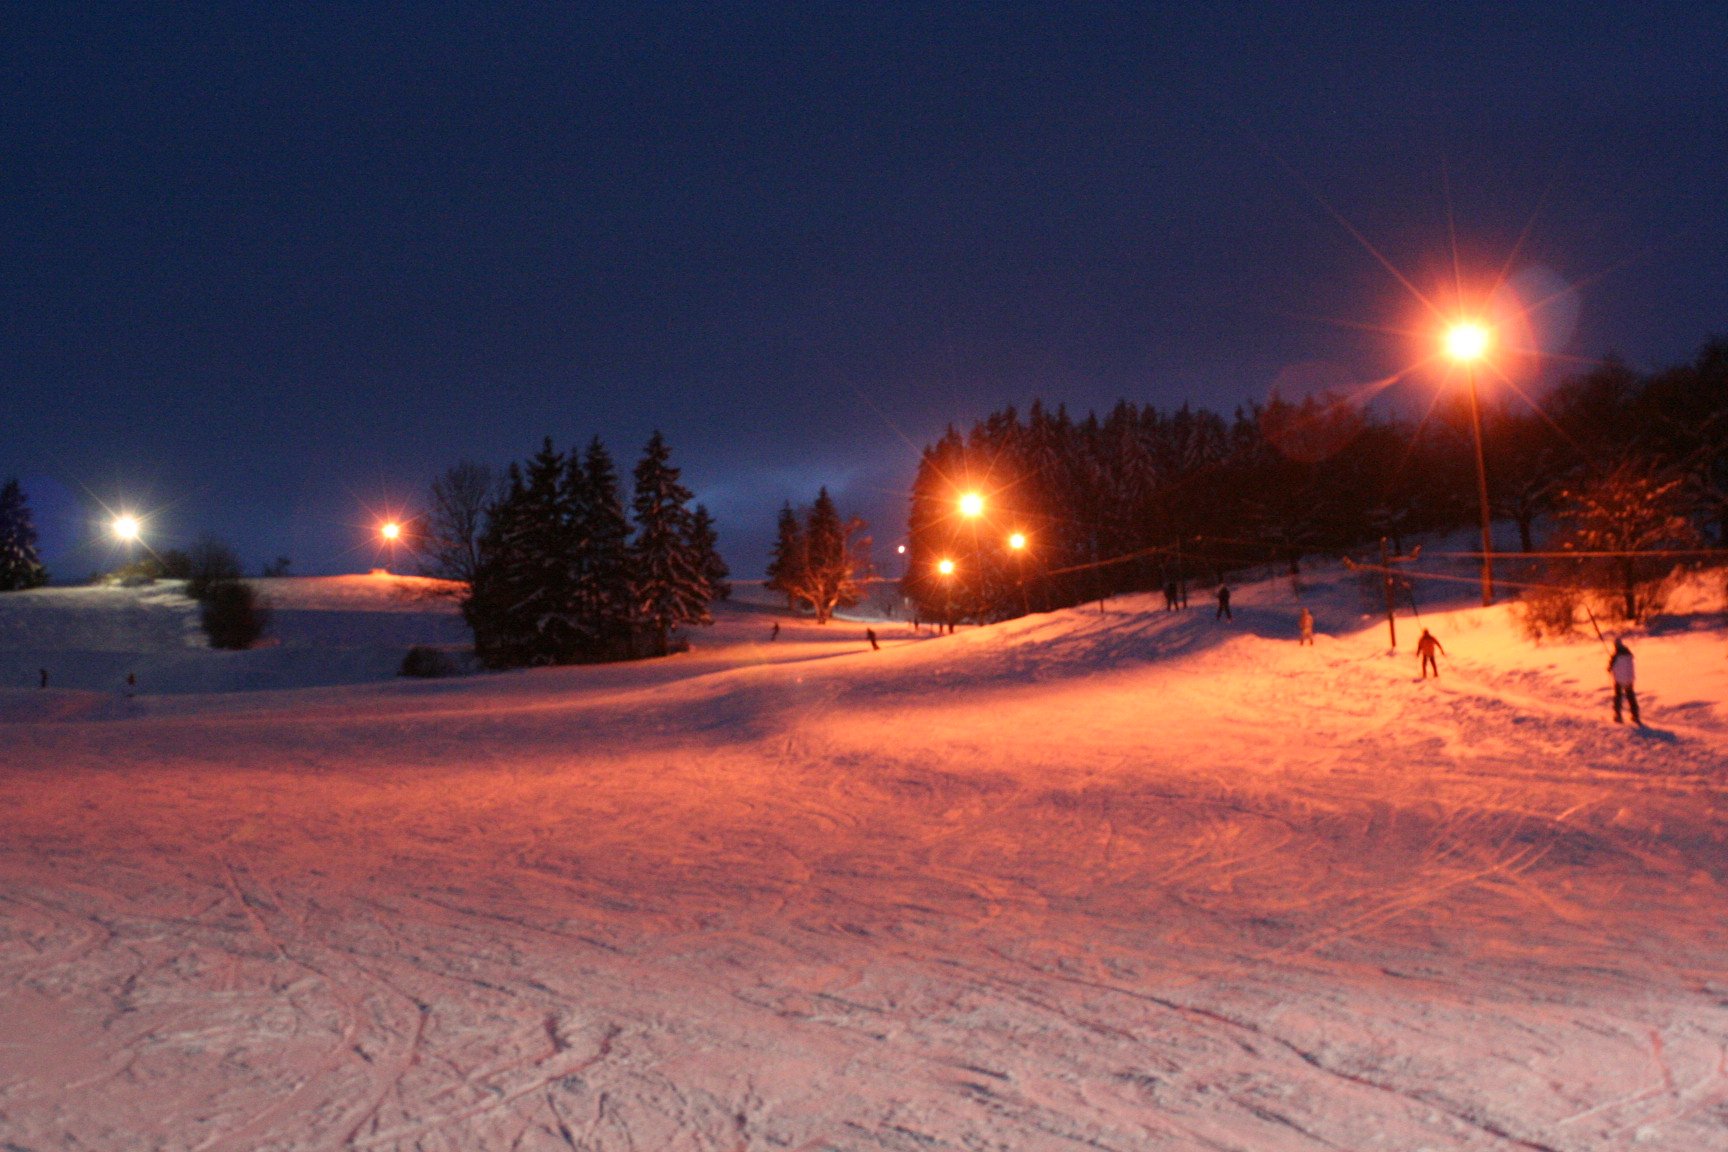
<point>267,269</point>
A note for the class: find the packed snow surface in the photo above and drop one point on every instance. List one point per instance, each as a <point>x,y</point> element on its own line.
<point>1096,879</point>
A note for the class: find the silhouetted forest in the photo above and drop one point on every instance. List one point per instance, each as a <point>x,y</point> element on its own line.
<point>1138,498</point>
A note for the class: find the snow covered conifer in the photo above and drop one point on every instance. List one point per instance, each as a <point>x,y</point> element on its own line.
<point>787,563</point>
<point>499,598</point>
<point>602,595</point>
<point>706,541</point>
<point>670,588</point>
<point>20,565</point>
<point>521,603</point>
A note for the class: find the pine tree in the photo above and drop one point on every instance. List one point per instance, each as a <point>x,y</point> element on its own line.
<point>602,593</point>
<point>787,563</point>
<point>504,636</point>
<point>521,602</point>
<point>20,565</point>
<point>705,541</point>
<point>669,586</point>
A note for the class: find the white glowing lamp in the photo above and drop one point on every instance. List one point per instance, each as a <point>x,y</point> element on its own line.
<point>126,527</point>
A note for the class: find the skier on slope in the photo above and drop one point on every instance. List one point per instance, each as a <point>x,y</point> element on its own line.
<point>1223,612</point>
<point>1426,647</point>
<point>1305,626</point>
<point>1620,666</point>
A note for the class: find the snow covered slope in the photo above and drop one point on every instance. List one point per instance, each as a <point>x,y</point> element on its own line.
<point>323,630</point>
<point>1123,879</point>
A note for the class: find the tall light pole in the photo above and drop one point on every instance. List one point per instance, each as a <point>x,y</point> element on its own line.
<point>1017,545</point>
<point>972,507</point>
<point>945,569</point>
<point>1466,343</point>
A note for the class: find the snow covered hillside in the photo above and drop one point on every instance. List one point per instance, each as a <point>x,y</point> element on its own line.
<point>1119,879</point>
<point>323,630</point>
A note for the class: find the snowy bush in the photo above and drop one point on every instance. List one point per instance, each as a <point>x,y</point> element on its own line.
<point>210,563</point>
<point>233,614</point>
<point>427,663</point>
<point>1548,611</point>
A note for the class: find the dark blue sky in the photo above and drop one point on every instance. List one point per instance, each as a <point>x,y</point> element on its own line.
<point>266,267</point>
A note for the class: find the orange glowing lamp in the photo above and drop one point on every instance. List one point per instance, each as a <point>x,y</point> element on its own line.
<point>946,567</point>
<point>971,505</point>
<point>1467,342</point>
<point>1017,541</point>
<point>391,531</point>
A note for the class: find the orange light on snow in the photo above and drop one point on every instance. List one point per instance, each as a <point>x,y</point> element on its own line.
<point>1466,341</point>
<point>971,505</point>
<point>946,567</point>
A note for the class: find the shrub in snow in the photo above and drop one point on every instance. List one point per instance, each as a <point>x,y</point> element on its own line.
<point>210,563</point>
<point>233,614</point>
<point>427,662</point>
<point>1548,611</point>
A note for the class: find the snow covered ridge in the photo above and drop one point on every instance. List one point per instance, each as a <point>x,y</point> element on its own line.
<point>1099,879</point>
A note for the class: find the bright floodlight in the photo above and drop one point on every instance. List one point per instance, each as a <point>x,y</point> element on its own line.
<point>1017,541</point>
<point>946,567</point>
<point>971,504</point>
<point>1466,342</point>
<point>391,530</point>
<point>126,528</point>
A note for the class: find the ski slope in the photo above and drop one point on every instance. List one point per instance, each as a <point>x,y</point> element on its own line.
<point>1118,879</point>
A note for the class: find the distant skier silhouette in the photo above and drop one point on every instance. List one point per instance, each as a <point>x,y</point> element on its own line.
<point>1305,625</point>
<point>775,635</point>
<point>870,635</point>
<point>44,674</point>
<point>1426,647</point>
<point>1223,612</point>
<point>1622,668</point>
<point>1170,596</point>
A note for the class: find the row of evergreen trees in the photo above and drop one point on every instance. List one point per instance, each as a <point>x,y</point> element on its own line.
<point>1141,497</point>
<point>564,576</point>
<point>20,562</point>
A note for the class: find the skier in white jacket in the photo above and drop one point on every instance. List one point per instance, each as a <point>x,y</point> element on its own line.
<point>1620,666</point>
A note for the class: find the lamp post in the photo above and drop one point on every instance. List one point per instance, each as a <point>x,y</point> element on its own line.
<point>945,568</point>
<point>1466,343</point>
<point>1017,545</point>
<point>971,508</point>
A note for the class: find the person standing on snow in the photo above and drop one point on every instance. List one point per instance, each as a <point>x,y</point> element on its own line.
<point>1426,647</point>
<point>1305,625</point>
<point>1620,666</point>
<point>1223,612</point>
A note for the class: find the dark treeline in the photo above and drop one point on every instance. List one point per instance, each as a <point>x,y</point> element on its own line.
<point>563,574</point>
<point>1139,498</point>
